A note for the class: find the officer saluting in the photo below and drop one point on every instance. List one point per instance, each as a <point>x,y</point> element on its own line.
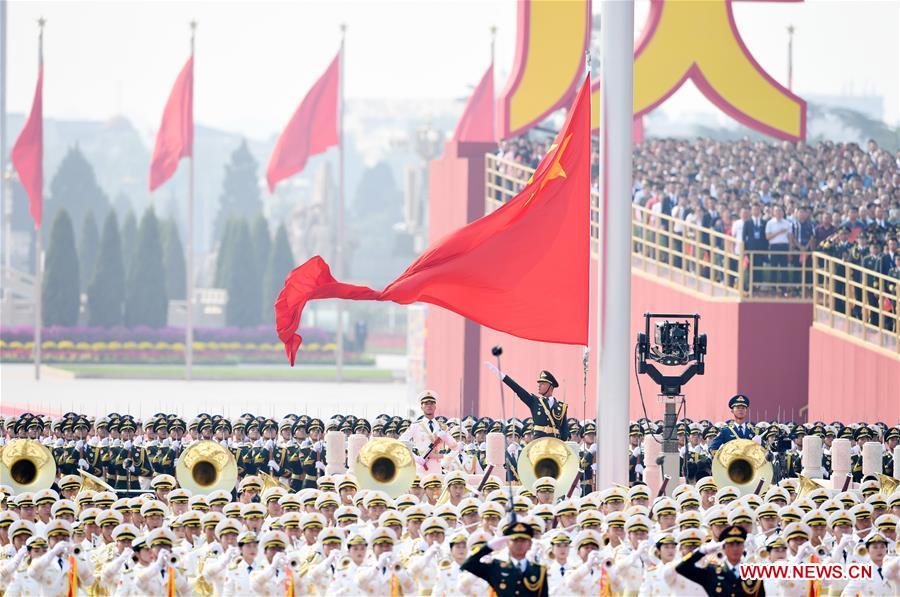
<point>519,575</point>
<point>547,413</point>
<point>722,577</point>
<point>737,429</point>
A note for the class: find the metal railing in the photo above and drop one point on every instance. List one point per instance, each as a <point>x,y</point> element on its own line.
<point>847,297</point>
<point>857,301</point>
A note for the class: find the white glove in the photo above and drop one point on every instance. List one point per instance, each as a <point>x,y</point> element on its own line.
<point>273,466</point>
<point>83,464</point>
<point>79,445</point>
<point>318,446</point>
<point>127,445</point>
<point>638,469</point>
<point>59,443</point>
<point>167,442</point>
<point>383,558</point>
<point>20,555</point>
<point>176,444</point>
<point>233,552</point>
<point>498,543</point>
<point>419,460</point>
<point>513,449</point>
<point>104,443</point>
<point>94,442</point>
<point>127,552</point>
<point>270,444</point>
<point>432,550</point>
<point>593,449</point>
<point>59,549</point>
<point>117,443</point>
<point>320,466</point>
<point>139,440</point>
<point>711,547</point>
<point>162,557</point>
<point>493,369</point>
<point>636,452</point>
<point>131,469</point>
<point>594,559</point>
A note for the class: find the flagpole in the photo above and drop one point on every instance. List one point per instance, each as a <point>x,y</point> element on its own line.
<point>339,250</point>
<point>39,244</point>
<point>616,116</point>
<point>5,190</point>
<point>189,261</point>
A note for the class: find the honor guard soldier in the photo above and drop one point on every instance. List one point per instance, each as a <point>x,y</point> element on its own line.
<point>427,436</point>
<point>547,413</point>
<point>722,577</point>
<point>515,576</point>
<point>737,429</point>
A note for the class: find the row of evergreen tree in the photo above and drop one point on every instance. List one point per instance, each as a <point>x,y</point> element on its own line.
<point>129,274</point>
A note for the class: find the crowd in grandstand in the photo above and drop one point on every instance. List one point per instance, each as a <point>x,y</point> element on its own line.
<point>289,525</point>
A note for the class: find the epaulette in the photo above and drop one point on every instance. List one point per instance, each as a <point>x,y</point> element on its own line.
<point>234,563</point>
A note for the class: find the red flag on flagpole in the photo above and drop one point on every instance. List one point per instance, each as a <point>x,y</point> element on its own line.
<point>496,270</point>
<point>175,138</point>
<point>28,153</point>
<point>312,129</point>
<point>476,125</point>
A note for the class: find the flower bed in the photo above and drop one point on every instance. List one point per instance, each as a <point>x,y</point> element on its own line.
<point>121,345</point>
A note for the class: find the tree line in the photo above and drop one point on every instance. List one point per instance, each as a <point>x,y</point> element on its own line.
<point>130,270</point>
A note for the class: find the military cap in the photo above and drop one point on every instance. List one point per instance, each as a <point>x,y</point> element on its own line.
<point>639,492</point>
<point>253,510</point>
<point>327,483</point>
<point>876,537</point>
<point>25,500</point>
<point>220,497</point>
<point>707,483</point>
<point>199,503</point>
<point>690,537</point>
<point>664,506</point>
<point>21,528</point>
<point>162,537</point>
<point>588,537</point>
<point>45,496</point>
<point>7,517</point>
<point>58,528</point>
<point>227,526</point>
<point>777,494</point>
<point>688,520</point>
<point>109,517</point>
<point>733,534</point>
<point>346,514</point>
<point>589,518</point>
<point>331,535</point>
<point>716,515</point>
<point>558,537</point>
<point>546,376</point>
<point>125,532</point>
<point>383,536</point>
<point>355,537</point>
<point>250,483</point>
<point>861,511</point>
<point>153,508</point>
<point>327,499</point>
<point>492,484</point>
<point>210,519</point>
<point>247,537</point>
<point>490,509</point>
<point>36,542</point>
<point>312,520</point>
<point>69,482</point>
<point>518,530</point>
<point>391,518</point>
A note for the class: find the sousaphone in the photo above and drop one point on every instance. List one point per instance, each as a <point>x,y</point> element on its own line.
<point>742,463</point>
<point>548,457</point>
<point>385,464</point>
<point>26,465</point>
<point>206,466</point>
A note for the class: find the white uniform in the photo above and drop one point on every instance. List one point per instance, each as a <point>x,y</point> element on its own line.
<point>380,580</point>
<point>153,580</point>
<point>421,435</point>
<point>270,581</point>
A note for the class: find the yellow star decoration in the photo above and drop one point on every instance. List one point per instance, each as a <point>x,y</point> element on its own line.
<point>554,168</point>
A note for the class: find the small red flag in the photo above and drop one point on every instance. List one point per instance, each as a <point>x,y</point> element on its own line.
<point>28,153</point>
<point>175,138</point>
<point>523,269</point>
<point>476,125</point>
<point>312,129</point>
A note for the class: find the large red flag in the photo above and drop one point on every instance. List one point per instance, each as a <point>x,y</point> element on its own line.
<point>523,269</point>
<point>477,122</point>
<point>175,138</point>
<point>312,129</point>
<point>28,153</point>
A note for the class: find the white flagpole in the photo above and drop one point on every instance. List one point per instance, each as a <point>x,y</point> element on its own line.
<point>39,245</point>
<point>616,113</point>
<point>339,249</point>
<point>189,261</point>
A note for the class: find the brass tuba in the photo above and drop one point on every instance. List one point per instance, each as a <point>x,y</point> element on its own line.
<point>94,483</point>
<point>808,485</point>
<point>548,457</point>
<point>742,463</point>
<point>888,484</point>
<point>26,465</point>
<point>385,464</point>
<point>206,466</point>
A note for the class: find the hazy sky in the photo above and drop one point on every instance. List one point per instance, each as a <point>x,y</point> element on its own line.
<point>255,60</point>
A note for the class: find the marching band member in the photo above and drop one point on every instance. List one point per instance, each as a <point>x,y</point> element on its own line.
<point>386,575</point>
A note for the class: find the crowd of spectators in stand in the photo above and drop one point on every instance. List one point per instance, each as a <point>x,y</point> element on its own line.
<point>839,198</point>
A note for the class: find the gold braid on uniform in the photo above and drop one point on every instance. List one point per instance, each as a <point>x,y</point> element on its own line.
<point>535,585</point>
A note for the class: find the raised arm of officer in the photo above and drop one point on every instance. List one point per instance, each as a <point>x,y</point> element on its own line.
<point>523,394</point>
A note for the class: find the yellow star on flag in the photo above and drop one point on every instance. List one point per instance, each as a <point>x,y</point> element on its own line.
<point>554,168</point>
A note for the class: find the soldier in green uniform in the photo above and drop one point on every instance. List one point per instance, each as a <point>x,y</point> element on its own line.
<point>128,462</point>
<point>515,576</point>
<point>588,456</point>
<point>722,577</point>
<point>314,462</point>
<point>548,414</point>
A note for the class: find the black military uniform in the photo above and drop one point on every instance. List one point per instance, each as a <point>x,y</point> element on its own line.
<point>721,578</point>
<point>586,462</point>
<point>548,414</point>
<point>635,456</point>
<point>507,578</point>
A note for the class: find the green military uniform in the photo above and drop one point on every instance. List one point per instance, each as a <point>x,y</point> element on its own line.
<point>720,578</point>
<point>504,577</point>
<point>547,413</point>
